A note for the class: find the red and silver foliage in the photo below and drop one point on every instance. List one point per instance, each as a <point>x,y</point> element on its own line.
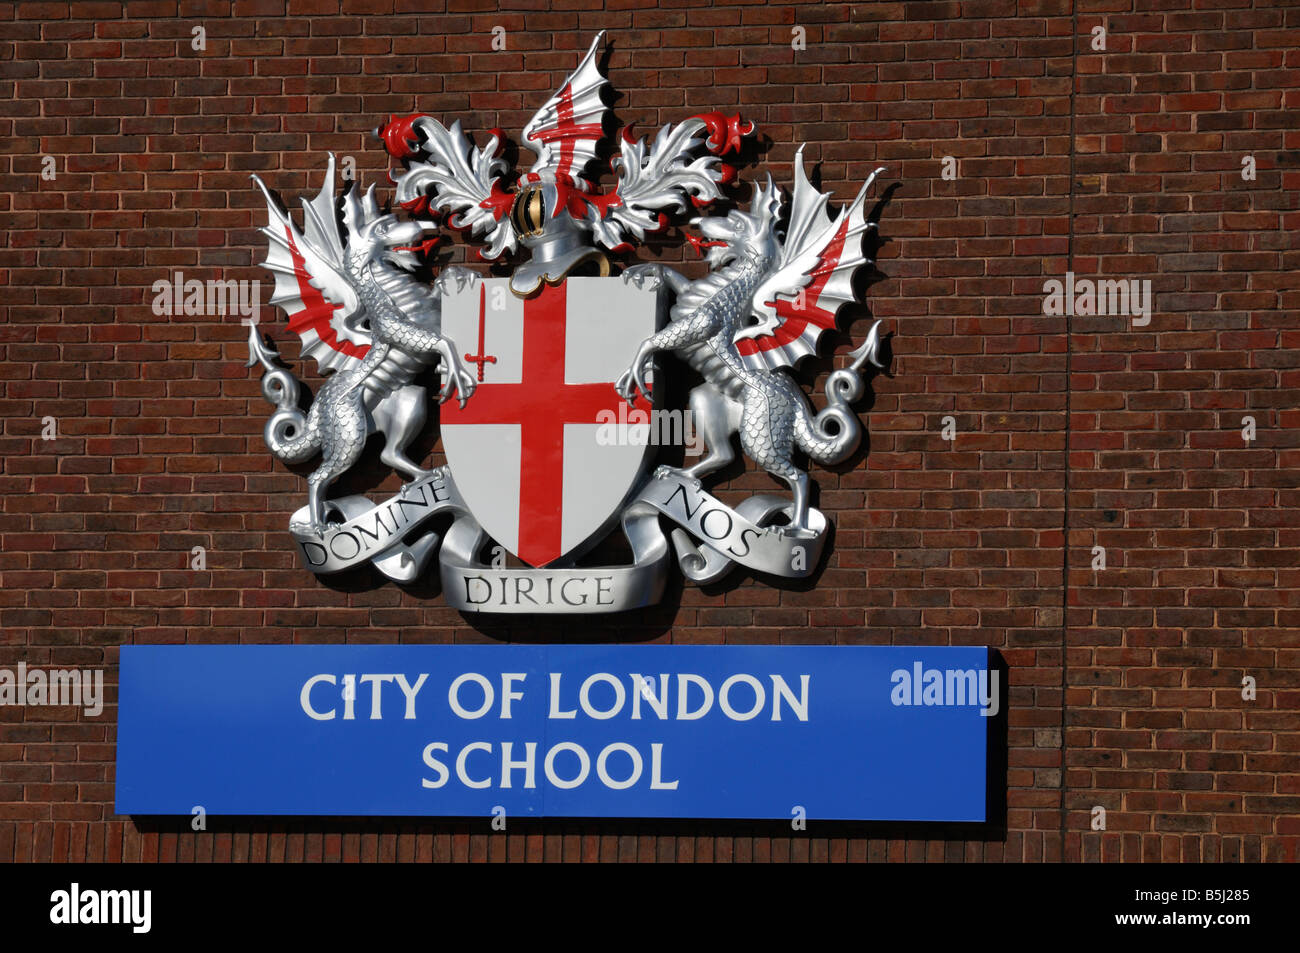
<point>653,178</point>
<point>455,177</point>
<point>682,168</point>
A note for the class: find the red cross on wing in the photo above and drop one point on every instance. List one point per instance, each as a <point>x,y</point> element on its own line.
<point>811,280</point>
<point>566,132</point>
<point>322,307</point>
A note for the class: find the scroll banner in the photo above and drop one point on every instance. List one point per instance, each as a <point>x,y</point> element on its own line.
<point>374,532</point>
<point>659,731</point>
<point>713,539</point>
<point>732,535</point>
<point>472,586</point>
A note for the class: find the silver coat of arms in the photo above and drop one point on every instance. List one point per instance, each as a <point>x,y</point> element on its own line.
<point>549,413</point>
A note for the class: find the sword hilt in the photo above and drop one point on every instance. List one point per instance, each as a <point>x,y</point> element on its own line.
<point>480,360</point>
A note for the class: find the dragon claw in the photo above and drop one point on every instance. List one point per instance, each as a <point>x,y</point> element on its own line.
<point>664,471</point>
<point>646,277</point>
<point>624,387</point>
<point>463,278</point>
<point>314,526</point>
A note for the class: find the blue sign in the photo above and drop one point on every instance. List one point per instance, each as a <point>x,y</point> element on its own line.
<point>834,732</point>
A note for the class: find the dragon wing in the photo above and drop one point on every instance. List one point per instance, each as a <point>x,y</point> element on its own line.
<point>812,277</point>
<point>310,285</point>
<point>566,132</point>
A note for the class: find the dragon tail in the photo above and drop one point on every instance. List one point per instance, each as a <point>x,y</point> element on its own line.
<point>291,435</point>
<point>835,432</point>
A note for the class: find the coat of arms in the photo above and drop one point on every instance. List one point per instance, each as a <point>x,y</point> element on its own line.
<point>534,368</point>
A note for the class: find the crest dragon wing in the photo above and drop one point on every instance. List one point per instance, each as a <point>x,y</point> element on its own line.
<point>566,132</point>
<point>310,284</point>
<point>811,279</point>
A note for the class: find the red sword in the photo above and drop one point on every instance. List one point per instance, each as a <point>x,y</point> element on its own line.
<point>482,357</point>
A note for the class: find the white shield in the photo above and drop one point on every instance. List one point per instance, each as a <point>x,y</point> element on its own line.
<point>545,452</point>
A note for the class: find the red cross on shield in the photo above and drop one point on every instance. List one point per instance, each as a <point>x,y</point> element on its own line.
<point>542,453</point>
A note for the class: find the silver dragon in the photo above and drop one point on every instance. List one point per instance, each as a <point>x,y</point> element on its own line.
<point>761,309</point>
<point>363,316</point>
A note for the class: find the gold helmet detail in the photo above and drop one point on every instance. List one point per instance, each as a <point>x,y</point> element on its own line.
<point>528,212</point>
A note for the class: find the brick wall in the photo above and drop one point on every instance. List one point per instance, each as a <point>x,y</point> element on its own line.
<point>1072,432</point>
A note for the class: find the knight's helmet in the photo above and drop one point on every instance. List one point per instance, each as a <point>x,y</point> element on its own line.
<point>546,219</point>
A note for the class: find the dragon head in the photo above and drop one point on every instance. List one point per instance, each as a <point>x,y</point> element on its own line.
<point>373,236</point>
<point>739,233</point>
